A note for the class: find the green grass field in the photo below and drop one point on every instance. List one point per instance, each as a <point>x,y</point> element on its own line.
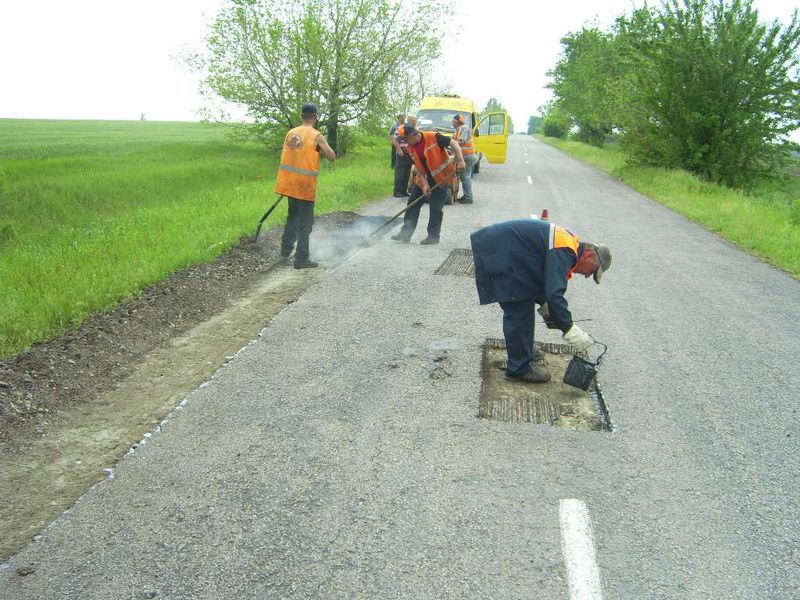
<point>765,221</point>
<point>92,212</point>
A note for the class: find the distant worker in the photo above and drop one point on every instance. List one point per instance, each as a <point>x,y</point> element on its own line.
<point>402,164</point>
<point>463,135</point>
<point>400,119</point>
<point>297,180</point>
<point>435,170</point>
<point>526,261</point>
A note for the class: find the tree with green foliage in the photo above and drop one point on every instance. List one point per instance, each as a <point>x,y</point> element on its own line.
<point>586,83</point>
<point>556,123</point>
<point>494,105</point>
<point>534,124</point>
<point>714,90</point>
<point>345,55</point>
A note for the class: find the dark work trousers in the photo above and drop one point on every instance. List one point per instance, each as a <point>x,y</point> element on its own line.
<point>394,156</point>
<point>436,202</point>
<point>518,330</point>
<point>298,228</point>
<point>402,169</point>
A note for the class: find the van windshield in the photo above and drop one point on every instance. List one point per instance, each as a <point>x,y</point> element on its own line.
<point>438,120</point>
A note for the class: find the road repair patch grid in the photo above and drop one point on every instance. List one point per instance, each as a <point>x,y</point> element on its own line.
<point>459,262</point>
<point>554,403</point>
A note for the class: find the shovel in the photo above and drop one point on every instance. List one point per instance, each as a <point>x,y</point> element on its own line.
<point>412,204</point>
<point>266,214</point>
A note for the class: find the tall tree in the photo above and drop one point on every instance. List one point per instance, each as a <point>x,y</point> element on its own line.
<point>534,124</point>
<point>715,90</point>
<point>586,82</point>
<point>272,55</point>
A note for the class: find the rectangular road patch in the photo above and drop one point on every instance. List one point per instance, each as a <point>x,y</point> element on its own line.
<point>554,403</point>
<point>459,262</point>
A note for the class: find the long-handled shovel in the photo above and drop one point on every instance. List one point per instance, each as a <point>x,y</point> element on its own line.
<point>266,214</point>
<point>412,204</point>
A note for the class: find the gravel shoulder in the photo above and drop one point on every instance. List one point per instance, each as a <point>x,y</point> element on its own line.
<point>71,407</point>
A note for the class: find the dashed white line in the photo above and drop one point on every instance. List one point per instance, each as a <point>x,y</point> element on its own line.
<point>530,181</point>
<point>577,544</point>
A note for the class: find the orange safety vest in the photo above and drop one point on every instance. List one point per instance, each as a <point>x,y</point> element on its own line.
<point>562,238</point>
<point>467,147</point>
<point>297,175</point>
<point>440,163</point>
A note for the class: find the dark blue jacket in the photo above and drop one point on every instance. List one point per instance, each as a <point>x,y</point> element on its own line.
<point>526,259</point>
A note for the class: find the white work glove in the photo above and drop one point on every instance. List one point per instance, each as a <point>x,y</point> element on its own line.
<point>578,338</point>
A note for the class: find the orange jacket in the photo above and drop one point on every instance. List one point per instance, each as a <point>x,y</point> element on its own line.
<point>467,147</point>
<point>438,163</point>
<point>297,174</point>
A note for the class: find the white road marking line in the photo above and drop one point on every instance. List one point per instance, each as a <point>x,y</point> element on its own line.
<point>530,181</point>
<point>577,544</point>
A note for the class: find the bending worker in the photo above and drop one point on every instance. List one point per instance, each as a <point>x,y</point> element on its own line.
<point>297,180</point>
<point>526,261</point>
<point>428,151</point>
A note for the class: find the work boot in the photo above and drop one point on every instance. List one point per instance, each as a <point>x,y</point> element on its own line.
<point>305,264</point>
<point>538,355</point>
<point>429,241</point>
<point>286,253</point>
<point>399,237</point>
<point>463,200</point>
<point>537,375</point>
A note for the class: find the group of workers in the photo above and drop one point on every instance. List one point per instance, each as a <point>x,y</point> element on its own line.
<point>518,264</point>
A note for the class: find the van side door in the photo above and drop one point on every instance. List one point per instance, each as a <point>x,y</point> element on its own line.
<point>491,137</point>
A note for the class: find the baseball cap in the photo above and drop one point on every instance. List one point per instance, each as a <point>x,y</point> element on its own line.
<point>406,130</point>
<point>309,108</point>
<point>604,254</point>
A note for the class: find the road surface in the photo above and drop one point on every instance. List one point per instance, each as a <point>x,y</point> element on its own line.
<point>324,460</point>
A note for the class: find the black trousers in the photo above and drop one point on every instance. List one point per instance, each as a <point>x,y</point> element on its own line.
<point>518,329</point>
<point>436,202</point>
<point>402,169</point>
<point>298,228</point>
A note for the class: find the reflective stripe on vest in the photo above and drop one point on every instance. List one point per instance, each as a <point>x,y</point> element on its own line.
<point>562,238</point>
<point>299,168</point>
<point>466,147</point>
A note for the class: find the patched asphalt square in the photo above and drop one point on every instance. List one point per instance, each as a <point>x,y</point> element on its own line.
<point>553,403</point>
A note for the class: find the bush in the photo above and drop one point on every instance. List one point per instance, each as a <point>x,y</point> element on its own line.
<point>556,124</point>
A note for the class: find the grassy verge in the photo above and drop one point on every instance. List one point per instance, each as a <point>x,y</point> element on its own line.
<point>92,212</point>
<point>763,221</point>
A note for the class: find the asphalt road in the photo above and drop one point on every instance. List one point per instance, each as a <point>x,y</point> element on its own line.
<point>324,461</point>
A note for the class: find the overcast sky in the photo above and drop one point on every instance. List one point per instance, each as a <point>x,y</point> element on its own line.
<point>116,59</point>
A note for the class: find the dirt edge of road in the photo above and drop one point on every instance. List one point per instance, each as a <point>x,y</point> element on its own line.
<point>71,407</point>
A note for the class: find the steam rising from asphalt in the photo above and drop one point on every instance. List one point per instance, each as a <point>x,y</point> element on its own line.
<point>334,247</point>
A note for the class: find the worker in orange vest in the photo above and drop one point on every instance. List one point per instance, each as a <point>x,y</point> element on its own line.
<point>463,135</point>
<point>435,169</point>
<point>297,180</point>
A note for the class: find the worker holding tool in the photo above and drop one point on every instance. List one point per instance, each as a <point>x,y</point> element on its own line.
<point>297,180</point>
<point>524,262</point>
<point>463,135</point>
<point>435,170</point>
